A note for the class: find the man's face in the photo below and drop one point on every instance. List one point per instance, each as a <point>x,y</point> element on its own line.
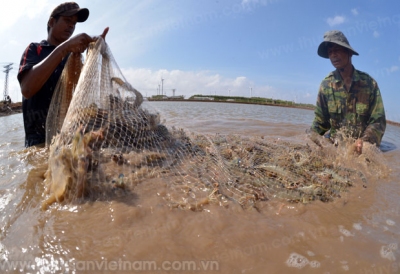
<point>338,55</point>
<point>64,27</point>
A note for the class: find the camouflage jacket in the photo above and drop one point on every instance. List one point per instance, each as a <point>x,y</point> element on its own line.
<point>359,112</point>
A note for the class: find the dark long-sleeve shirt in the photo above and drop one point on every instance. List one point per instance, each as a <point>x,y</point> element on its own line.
<point>35,109</point>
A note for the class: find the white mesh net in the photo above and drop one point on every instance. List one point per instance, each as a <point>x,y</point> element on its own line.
<point>103,142</point>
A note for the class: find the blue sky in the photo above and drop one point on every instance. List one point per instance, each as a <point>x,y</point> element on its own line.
<point>264,48</point>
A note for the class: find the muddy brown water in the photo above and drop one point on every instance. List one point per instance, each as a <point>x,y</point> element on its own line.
<point>357,233</point>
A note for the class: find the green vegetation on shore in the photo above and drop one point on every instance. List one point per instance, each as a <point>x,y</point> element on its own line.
<point>10,108</point>
<point>241,100</point>
<point>234,99</point>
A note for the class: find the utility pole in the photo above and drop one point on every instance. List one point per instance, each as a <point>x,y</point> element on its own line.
<point>8,68</point>
<point>251,92</point>
<point>162,86</point>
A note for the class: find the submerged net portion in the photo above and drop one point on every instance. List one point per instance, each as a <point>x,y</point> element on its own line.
<point>108,143</point>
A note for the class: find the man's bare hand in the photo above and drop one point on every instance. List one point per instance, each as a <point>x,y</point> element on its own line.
<point>358,145</point>
<point>80,42</point>
<point>103,35</point>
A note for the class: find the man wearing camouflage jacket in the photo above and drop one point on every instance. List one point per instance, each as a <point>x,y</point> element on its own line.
<point>348,99</point>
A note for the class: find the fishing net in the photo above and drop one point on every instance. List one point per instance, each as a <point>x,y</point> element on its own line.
<point>104,141</point>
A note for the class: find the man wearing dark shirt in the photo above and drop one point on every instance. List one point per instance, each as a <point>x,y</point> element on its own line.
<point>42,64</point>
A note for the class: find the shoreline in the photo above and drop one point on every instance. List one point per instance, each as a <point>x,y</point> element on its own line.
<point>393,123</point>
<point>12,108</point>
<point>15,108</point>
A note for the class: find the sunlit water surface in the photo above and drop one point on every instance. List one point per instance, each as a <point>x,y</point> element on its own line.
<point>357,233</point>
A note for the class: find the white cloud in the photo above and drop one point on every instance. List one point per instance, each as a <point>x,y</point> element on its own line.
<point>186,83</point>
<point>337,20</point>
<point>248,4</point>
<point>394,68</point>
<point>307,95</point>
<point>14,43</point>
<point>189,83</point>
<point>12,11</point>
<point>354,12</point>
<point>376,34</point>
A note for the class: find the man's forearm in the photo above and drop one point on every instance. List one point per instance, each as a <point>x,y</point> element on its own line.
<point>33,80</point>
<point>374,132</point>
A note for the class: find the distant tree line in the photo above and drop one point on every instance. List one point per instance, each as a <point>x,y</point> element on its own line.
<point>251,100</point>
<point>235,99</point>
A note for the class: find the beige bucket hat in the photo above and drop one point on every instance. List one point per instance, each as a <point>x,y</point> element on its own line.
<point>336,37</point>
